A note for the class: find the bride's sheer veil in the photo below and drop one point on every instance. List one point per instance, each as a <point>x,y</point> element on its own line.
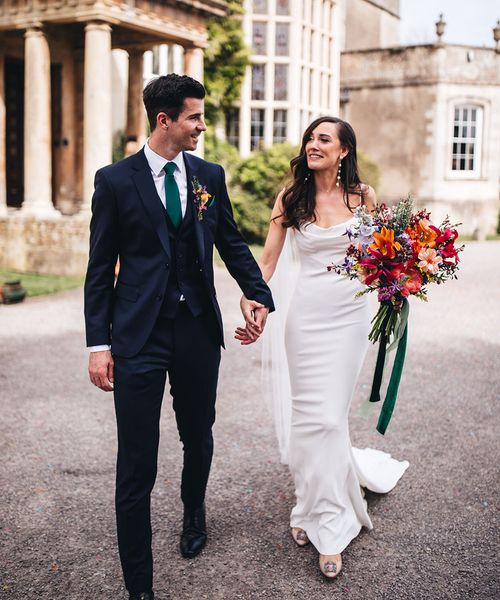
<point>276,382</point>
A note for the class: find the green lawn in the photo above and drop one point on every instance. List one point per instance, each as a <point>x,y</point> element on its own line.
<point>39,285</point>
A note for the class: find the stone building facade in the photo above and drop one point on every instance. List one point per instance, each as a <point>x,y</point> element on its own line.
<point>56,111</point>
<point>428,115</point>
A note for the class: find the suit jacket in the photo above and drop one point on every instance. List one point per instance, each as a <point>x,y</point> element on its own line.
<point>128,221</point>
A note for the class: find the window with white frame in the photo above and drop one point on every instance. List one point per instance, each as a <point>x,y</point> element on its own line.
<point>467,139</point>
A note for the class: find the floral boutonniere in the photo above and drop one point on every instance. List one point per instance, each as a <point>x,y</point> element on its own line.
<point>202,198</point>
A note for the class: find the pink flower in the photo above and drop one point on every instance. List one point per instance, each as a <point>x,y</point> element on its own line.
<point>429,260</point>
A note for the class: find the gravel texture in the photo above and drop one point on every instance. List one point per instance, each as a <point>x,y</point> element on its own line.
<point>435,535</point>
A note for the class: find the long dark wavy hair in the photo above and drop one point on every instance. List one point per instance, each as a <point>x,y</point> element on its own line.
<point>299,196</point>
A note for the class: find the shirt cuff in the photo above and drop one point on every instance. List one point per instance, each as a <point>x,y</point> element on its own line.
<point>99,348</point>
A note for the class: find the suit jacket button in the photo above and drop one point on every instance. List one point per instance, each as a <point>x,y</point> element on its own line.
<point>159,297</point>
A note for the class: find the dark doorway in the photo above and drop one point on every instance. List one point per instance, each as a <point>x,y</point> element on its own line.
<point>14,138</point>
<point>56,118</point>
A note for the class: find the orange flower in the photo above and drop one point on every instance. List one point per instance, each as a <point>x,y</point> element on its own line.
<point>384,243</point>
<point>422,235</point>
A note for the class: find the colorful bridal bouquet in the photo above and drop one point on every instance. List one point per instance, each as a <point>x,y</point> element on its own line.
<point>397,253</point>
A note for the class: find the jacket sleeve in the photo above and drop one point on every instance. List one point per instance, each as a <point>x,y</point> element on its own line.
<point>235,253</point>
<point>103,254</point>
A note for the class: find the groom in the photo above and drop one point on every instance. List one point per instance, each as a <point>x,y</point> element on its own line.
<point>161,211</point>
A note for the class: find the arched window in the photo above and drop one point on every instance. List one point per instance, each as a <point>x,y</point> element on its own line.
<point>467,140</point>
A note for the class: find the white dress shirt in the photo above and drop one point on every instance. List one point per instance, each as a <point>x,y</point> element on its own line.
<point>156,164</point>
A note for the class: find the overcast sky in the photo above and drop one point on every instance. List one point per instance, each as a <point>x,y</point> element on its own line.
<point>468,21</point>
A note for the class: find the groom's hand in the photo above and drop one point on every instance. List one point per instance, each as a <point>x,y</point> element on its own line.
<point>249,310</point>
<point>101,370</point>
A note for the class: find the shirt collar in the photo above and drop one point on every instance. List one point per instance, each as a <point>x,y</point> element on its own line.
<point>157,162</point>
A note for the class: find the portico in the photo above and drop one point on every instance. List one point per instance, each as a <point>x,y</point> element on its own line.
<point>55,95</point>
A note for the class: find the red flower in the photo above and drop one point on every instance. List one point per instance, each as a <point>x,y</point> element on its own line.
<point>410,282</point>
<point>449,252</point>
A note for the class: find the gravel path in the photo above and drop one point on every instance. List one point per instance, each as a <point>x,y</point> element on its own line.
<point>435,536</point>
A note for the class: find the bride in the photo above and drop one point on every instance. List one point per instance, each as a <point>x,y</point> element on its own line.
<point>326,338</point>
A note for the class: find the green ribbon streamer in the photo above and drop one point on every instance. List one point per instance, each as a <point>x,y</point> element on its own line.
<point>399,340</point>
<point>379,369</point>
<point>392,389</point>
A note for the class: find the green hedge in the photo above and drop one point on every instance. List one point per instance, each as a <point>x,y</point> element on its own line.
<point>254,182</point>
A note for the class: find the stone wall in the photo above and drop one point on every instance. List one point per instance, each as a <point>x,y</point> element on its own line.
<point>371,24</point>
<point>56,246</point>
<point>401,104</point>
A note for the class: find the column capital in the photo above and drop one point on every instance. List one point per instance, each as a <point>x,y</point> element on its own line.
<point>97,26</point>
<point>34,29</point>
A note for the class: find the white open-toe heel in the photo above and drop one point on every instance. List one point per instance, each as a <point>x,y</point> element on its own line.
<point>330,565</point>
<point>300,536</point>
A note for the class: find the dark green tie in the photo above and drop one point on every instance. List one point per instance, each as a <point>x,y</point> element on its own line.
<point>173,198</point>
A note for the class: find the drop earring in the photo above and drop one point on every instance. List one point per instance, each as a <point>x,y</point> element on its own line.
<point>338,173</point>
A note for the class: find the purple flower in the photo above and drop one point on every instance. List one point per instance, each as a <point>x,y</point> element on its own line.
<point>387,292</point>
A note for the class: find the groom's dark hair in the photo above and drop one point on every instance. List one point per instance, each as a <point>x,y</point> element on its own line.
<point>167,94</point>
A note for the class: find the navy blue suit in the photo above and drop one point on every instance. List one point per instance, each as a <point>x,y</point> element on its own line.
<point>153,332</point>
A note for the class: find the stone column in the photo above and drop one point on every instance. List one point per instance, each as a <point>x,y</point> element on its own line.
<point>193,63</point>
<point>37,126</point>
<point>67,152</point>
<point>193,66</point>
<point>136,114</point>
<point>3,166</point>
<point>97,134</point>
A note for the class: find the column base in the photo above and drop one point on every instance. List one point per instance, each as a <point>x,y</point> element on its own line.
<point>40,212</point>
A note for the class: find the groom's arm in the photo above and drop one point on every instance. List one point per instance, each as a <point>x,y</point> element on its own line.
<point>103,254</point>
<point>235,253</point>
<point>99,281</point>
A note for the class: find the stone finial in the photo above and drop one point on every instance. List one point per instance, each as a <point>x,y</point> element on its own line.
<point>440,27</point>
<point>496,36</point>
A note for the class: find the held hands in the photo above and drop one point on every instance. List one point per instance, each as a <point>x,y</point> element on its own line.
<point>255,315</point>
<point>101,370</point>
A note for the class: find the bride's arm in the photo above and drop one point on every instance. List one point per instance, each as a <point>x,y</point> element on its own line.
<point>274,241</point>
<point>272,249</point>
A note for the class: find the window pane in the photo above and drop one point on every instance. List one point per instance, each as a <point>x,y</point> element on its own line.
<point>259,38</point>
<point>233,126</point>
<point>279,126</point>
<point>462,164</point>
<point>473,114</point>
<point>457,114</point>
<point>258,82</point>
<point>282,7</point>
<point>471,164</point>
<point>455,131</point>
<point>256,128</point>
<point>282,34</point>
<point>473,131</point>
<point>260,6</point>
<point>280,82</point>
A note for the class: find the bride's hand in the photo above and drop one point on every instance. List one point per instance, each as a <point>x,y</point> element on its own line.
<point>248,310</point>
<point>244,336</point>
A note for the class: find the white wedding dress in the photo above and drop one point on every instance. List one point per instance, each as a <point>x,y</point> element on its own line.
<point>326,338</point>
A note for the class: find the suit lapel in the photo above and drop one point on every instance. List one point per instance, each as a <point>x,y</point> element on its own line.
<point>150,199</point>
<point>191,172</point>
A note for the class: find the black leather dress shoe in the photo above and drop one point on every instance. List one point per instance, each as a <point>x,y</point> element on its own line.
<point>142,596</point>
<point>194,532</point>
